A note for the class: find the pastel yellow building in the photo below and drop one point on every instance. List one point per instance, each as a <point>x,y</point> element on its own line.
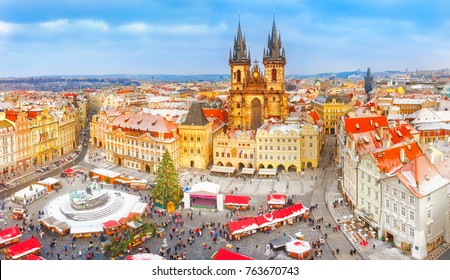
<point>330,108</point>
<point>278,147</point>
<point>197,132</point>
<point>67,136</point>
<point>235,148</point>
<point>100,123</point>
<point>44,135</point>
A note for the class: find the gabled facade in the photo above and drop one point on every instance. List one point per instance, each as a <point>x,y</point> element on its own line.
<point>415,207</point>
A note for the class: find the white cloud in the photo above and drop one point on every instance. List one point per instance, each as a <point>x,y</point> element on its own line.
<point>65,24</point>
<point>7,28</point>
<point>179,29</point>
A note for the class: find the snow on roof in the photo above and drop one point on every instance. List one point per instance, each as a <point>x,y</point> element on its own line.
<point>49,181</point>
<point>205,187</point>
<point>106,172</point>
<point>29,191</point>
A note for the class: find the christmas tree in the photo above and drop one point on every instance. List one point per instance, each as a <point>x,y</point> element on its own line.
<point>167,187</point>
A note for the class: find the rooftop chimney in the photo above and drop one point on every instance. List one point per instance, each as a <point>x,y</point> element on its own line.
<point>402,155</point>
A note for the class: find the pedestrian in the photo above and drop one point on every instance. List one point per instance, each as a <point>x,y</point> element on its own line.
<point>373,246</point>
<point>337,251</point>
<point>237,249</point>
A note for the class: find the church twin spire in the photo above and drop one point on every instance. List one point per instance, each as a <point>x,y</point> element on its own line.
<point>274,51</point>
<point>239,54</point>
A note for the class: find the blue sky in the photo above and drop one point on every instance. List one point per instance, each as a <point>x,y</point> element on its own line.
<point>193,37</point>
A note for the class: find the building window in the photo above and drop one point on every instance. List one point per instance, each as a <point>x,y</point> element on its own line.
<point>411,199</point>
<point>395,192</point>
<point>403,195</point>
<point>403,211</point>
<point>429,229</point>
<point>428,197</point>
<point>394,223</point>
<point>411,232</point>
<point>376,196</point>
<point>429,213</point>
<point>387,203</point>
<point>394,207</point>
<point>411,215</point>
<point>375,210</point>
<point>388,220</point>
<point>403,227</point>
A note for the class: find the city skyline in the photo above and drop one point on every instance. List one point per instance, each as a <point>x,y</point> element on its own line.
<point>180,37</point>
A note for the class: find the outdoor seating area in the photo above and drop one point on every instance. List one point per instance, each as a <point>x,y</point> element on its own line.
<point>358,231</point>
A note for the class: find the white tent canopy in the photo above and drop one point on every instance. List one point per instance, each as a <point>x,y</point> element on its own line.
<point>205,187</point>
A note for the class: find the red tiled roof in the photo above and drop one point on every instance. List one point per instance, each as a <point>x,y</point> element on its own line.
<point>400,132</point>
<point>424,174</point>
<point>225,255</point>
<point>355,125</point>
<point>314,116</point>
<point>12,115</point>
<point>389,160</point>
<point>144,122</point>
<point>216,113</point>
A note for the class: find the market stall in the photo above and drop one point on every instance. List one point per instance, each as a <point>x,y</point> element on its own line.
<point>267,173</point>
<point>86,231</point>
<point>298,249</point>
<point>279,243</point>
<point>69,172</point>
<point>226,255</point>
<point>18,213</point>
<point>141,184</point>
<point>50,183</point>
<point>242,227</point>
<point>276,200</point>
<point>138,211</point>
<point>105,175</point>
<point>111,227</point>
<point>9,236</point>
<point>23,249</point>
<point>29,194</point>
<point>235,202</point>
<point>217,170</point>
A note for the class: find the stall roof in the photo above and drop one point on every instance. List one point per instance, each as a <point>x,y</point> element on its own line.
<point>205,187</point>
<point>134,224</point>
<point>297,246</point>
<point>223,169</point>
<point>61,226</point>
<point>29,193</point>
<point>267,171</point>
<point>106,172</point>
<point>224,255</point>
<point>236,200</point>
<point>248,171</point>
<point>276,198</point>
<point>49,181</point>
<point>70,170</point>
<point>111,224</point>
<point>243,225</point>
<point>139,208</point>
<point>9,234</point>
<point>86,229</point>
<point>280,241</point>
<point>25,247</point>
<point>49,221</point>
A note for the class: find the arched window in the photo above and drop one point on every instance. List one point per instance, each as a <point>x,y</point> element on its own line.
<point>274,75</point>
<point>238,76</point>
